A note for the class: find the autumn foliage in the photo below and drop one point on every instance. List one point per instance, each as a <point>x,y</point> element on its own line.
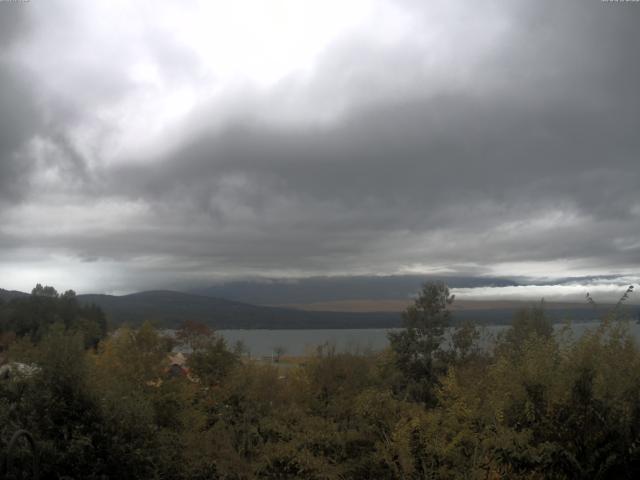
<point>539,403</point>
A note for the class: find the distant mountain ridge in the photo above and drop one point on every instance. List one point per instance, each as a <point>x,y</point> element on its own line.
<point>169,308</point>
<point>323,289</point>
<point>7,295</point>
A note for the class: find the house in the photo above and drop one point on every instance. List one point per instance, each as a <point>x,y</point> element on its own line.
<point>177,366</point>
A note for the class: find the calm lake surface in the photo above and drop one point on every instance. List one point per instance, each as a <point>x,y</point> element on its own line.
<point>300,342</point>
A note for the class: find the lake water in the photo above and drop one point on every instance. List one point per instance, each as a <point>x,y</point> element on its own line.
<point>300,342</point>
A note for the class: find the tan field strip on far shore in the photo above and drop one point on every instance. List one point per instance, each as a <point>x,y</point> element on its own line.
<point>401,304</point>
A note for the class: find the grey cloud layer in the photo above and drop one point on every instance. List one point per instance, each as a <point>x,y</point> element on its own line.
<point>18,119</point>
<point>523,151</point>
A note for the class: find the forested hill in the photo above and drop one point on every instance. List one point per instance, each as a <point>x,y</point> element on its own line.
<point>7,295</point>
<point>170,309</point>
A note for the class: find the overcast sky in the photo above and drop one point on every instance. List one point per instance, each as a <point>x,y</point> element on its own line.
<point>169,144</point>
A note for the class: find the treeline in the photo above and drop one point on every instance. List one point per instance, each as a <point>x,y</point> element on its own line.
<point>538,405</point>
<point>33,315</point>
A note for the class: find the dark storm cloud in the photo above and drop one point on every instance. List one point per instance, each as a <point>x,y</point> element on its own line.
<point>523,149</point>
<point>14,130</point>
<point>560,134</point>
<point>18,118</point>
<point>27,116</point>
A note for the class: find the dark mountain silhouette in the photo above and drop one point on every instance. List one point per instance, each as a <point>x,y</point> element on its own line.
<point>169,309</point>
<point>323,289</point>
<point>7,295</point>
